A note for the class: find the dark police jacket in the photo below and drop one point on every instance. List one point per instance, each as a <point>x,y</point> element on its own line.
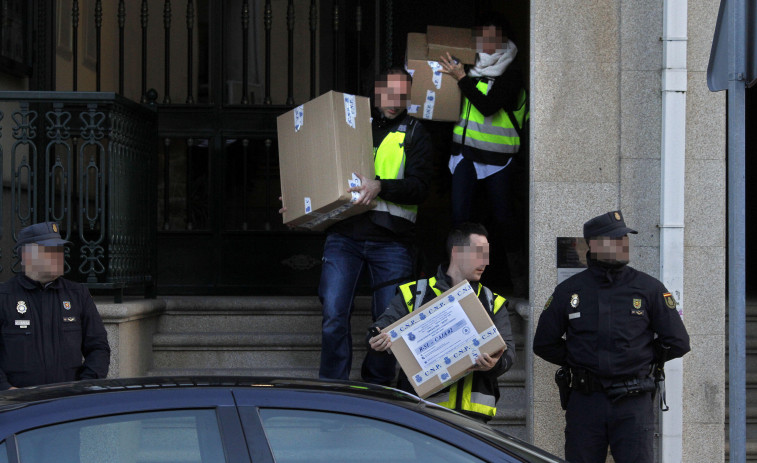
<point>477,393</point>
<point>610,318</point>
<point>46,331</point>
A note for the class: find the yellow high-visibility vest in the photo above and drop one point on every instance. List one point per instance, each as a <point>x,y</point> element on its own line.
<point>494,133</point>
<point>389,162</point>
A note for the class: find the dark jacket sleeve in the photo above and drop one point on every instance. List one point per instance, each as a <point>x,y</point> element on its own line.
<point>413,189</point>
<point>396,310</point>
<point>548,339</point>
<point>502,321</point>
<point>503,93</point>
<point>668,325</point>
<point>4,384</point>
<point>95,347</point>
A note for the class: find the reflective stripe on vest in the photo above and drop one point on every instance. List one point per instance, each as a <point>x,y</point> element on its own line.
<point>409,295</point>
<point>389,161</point>
<point>493,133</point>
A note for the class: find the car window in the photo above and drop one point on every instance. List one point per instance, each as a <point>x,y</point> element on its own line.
<point>185,435</point>
<point>3,453</point>
<point>299,436</point>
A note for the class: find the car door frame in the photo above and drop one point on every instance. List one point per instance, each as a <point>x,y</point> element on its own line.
<point>249,401</point>
<point>123,402</point>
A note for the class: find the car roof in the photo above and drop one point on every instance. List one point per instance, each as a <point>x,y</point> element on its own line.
<point>16,398</point>
<point>24,397</point>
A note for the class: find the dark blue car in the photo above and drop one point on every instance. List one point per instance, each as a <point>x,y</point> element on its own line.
<point>236,419</point>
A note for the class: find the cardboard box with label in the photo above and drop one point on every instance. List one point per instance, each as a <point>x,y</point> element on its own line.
<point>436,344</point>
<point>322,144</point>
<point>456,41</point>
<point>434,94</point>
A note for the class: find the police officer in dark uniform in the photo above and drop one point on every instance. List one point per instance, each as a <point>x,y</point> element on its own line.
<point>609,315</point>
<point>50,330</point>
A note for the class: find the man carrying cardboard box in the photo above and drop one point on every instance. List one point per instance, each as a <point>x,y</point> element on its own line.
<point>475,394</point>
<point>378,241</point>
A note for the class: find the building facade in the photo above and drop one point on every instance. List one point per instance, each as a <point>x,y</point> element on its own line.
<point>604,78</point>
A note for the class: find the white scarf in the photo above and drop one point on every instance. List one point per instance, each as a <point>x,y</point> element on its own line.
<point>494,65</point>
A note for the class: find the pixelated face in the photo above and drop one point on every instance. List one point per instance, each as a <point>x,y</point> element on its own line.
<point>473,258</point>
<point>489,40</point>
<point>610,250</point>
<point>42,263</point>
<point>392,95</point>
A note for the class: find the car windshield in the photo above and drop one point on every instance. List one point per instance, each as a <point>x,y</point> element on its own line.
<point>504,441</point>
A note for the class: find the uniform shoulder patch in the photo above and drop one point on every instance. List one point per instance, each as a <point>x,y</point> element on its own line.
<point>549,302</point>
<point>669,301</point>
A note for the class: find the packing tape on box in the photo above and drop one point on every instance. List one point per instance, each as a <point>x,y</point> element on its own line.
<point>320,217</point>
<point>469,350</point>
<point>299,118</point>
<point>428,106</point>
<point>436,77</point>
<point>350,109</point>
<point>353,183</point>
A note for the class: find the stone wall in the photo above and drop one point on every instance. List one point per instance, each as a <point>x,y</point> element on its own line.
<point>596,138</point>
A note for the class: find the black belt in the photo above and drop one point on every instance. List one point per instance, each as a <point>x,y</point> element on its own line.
<point>586,382</point>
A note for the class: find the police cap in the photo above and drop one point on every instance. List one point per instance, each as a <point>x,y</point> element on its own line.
<point>44,233</point>
<point>610,224</point>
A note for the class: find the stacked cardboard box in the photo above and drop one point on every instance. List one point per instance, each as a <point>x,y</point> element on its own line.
<point>322,145</point>
<point>435,95</point>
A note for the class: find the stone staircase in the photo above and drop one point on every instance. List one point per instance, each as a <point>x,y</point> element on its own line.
<point>751,383</point>
<point>281,336</point>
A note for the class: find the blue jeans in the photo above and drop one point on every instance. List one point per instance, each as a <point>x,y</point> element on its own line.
<point>344,260</point>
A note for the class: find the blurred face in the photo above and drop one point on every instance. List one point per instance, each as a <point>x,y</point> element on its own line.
<point>489,40</point>
<point>473,258</point>
<point>610,250</point>
<point>42,263</point>
<point>392,95</point>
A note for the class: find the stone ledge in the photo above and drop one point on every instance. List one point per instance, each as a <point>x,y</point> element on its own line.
<point>130,309</point>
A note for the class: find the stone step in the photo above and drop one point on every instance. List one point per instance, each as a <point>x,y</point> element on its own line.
<point>243,350</point>
<point>261,314</point>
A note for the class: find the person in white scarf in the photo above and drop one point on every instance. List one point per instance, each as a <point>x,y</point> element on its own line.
<point>470,163</point>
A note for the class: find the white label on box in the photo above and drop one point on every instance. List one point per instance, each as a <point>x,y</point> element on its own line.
<point>413,108</point>
<point>410,71</point>
<point>350,109</point>
<point>428,106</point>
<point>299,118</point>
<point>442,332</point>
<point>308,205</point>
<point>469,350</point>
<point>354,182</point>
<point>436,78</point>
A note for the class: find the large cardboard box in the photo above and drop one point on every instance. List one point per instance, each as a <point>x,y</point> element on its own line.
<point>434,94</point>
<point>322,144</point>
<point>437,344</point>
<point>457,41</point>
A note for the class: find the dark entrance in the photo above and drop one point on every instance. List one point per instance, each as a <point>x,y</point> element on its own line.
<point>219,231</point>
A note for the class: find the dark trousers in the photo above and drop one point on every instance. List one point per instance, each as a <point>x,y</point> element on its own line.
<point>344,260</point>
<point>498,189</point>
<point>593,422</point>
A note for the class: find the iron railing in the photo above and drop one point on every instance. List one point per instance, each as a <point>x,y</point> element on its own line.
<point>88,162</point>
